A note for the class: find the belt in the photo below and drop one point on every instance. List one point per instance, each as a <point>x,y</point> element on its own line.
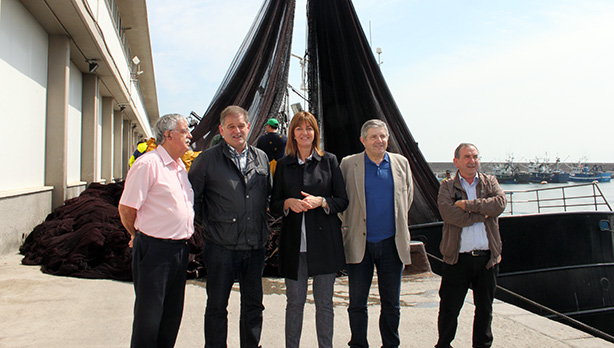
<point>174,241</point>
<point>477,253</point>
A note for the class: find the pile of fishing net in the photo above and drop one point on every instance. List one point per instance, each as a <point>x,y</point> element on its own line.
<point>85,238</point>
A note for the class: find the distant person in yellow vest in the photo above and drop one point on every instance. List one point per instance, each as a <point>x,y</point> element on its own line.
<point>448,176</point>
<point>141,148</point>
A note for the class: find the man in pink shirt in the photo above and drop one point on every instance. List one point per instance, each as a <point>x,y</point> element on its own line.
<point>156,208</point>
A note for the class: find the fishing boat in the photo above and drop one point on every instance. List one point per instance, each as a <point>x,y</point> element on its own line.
<point>564,260</point>
<point>509,173</point>
<point>583,173</point>
<point>542,172</point>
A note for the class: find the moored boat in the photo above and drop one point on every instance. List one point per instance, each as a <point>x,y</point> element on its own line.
<point>543,173</point>
<point>550,177</point>
<point>508,173</point>
<point>582,173</point>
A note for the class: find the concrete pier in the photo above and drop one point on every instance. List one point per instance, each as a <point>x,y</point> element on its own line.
<point>40,310</point>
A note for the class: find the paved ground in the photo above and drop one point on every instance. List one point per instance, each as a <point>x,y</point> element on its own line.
<point>39,310</point>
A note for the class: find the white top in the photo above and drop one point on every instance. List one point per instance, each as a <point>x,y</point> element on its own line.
<point>473,237</point>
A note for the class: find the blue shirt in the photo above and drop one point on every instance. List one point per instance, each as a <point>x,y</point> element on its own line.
<point>379,195</point>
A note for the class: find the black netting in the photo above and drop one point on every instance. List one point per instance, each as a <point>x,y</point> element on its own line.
<point>258,75</point>
<point>346,88</point>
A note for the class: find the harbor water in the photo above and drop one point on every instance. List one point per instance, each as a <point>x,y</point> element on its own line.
<point>578,197</point>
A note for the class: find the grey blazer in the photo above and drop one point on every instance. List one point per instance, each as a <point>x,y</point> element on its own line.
<point>354,218</point>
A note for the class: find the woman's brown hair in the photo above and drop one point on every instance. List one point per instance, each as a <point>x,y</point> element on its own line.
<point>297,120</point>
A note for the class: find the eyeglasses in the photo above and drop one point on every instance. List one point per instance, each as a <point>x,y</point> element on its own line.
<point>182,131</point>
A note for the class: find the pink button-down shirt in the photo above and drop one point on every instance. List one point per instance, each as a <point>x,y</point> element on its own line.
<point>159,189</point>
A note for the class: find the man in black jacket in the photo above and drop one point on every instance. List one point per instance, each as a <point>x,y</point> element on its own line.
<point>231,183</point>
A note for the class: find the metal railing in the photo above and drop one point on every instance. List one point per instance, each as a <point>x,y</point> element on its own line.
<point>566,198</point>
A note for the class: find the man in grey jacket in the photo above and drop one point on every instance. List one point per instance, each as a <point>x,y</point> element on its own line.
<point>469,204</point>
<point>231,183</point>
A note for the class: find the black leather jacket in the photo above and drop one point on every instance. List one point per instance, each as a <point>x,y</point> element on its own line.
<point>229,206</point>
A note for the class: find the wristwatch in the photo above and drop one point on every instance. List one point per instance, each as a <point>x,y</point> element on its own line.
<point>324,204</point>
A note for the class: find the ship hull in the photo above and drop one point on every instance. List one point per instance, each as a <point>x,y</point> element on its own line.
<point>516,178</point>
<point>564,261</point>
<point>550,177</point>
<point>604,177</point>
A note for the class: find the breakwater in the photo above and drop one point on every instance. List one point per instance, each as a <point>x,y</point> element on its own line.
<point>487,167</point>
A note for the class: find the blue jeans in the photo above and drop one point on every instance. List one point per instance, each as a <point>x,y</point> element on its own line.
<point>223,265</point>
<point>296,294</point>
<point>385,257</point>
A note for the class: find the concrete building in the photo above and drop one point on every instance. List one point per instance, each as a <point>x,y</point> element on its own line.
<point>77,91</point>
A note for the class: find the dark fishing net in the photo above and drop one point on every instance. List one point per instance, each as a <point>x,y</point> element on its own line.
<point>258,76</point>
<point>347,88</point>
<point>85,238</point>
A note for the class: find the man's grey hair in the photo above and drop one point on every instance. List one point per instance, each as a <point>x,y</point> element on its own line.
<point>374,123</point>
<point>167,122</point>
<point>460,147</point>
<point>232,110</point>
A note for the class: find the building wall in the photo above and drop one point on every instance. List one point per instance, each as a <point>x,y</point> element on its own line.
<point>75,98</point>
<point>32,180</point>
<point>24,200</point>
<point>20,213</point>
<point>23,72</point>
<point>98,146</point>
<point>113,42</point>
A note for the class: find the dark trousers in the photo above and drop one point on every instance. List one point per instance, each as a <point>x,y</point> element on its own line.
<point>223,265</point>
<point>385,257</point>
<point>470,271</point>
<point>159,274</point>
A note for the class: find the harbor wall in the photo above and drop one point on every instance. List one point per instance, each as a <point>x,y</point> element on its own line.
<point>487,167</point>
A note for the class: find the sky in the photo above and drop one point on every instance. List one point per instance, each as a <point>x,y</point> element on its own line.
<point>520,79</point>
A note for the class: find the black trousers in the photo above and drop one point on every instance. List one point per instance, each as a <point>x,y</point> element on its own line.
<point>470,271</point>
<point>159,273</point>
<point>223,266</point>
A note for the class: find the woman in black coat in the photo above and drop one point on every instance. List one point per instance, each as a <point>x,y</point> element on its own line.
<point>309,191</point>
